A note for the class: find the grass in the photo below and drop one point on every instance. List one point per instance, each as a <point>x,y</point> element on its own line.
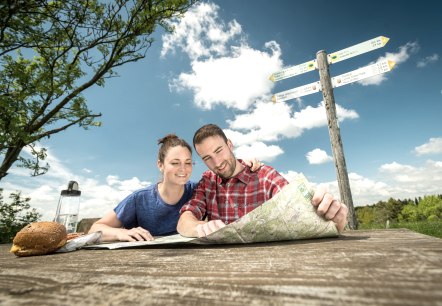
<point>431,228</point>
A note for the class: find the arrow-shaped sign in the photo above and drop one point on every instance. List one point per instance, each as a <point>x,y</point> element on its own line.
<point>358,49</point>
<point>292,71</point>
<point>362,73</point>
<point>340,80</point>
<point>296,92</point>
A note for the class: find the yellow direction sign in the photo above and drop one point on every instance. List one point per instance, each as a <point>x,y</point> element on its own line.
<point>362,73</point>
<point>292,71</point>
<point>296,92</point>
<point>358,49</point>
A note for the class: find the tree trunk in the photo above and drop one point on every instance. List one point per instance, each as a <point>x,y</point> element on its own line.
<point>11,157</point>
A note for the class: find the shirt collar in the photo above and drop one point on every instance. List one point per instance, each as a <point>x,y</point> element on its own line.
<point>244,176</point>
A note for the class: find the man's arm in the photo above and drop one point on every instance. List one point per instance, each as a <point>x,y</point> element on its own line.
<point>187,224</point>
<point>190,226</point>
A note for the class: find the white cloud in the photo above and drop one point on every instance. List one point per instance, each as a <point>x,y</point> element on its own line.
<point>274,121</point>
<point>411,181</point>
<point>427,60</point>
<point>224,69</point>
<point>235,81</point>
<point>434,146</point>
<point>97,197</point>
<point>318,156</point>
<point>258,150</point>
<point>396,181</point>
<point>399,57</point>
<point>200,33</point>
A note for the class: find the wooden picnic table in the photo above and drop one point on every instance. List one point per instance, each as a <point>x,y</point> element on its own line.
<point>378,267</point>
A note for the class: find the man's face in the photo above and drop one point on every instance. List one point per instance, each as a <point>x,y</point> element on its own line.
<point>217,155</point>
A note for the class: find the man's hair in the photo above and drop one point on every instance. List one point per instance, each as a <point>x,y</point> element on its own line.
<point>206,131</point>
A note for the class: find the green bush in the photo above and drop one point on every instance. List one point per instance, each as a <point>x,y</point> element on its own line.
<point>15,215</point>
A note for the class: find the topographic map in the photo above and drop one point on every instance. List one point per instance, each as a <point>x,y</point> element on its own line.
<point>289,215</point>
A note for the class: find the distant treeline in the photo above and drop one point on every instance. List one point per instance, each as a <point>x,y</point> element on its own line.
<point>428,208</point>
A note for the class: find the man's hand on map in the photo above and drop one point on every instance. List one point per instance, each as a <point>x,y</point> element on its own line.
<point>205,229</point>
<point>330,208</point>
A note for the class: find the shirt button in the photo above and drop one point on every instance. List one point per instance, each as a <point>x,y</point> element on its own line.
<point>226,222</point>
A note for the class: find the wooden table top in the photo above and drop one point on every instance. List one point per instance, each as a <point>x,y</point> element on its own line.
<point>379,267</point>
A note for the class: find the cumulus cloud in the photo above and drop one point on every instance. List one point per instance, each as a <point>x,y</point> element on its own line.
<point>395,180</point>
<point>235,81</point>
<point>259,150</point>
<point>200,33</point>
<point>427,60</point>
<point>411,180</point>
<point>269,122</point>
<point>97,197</point>
<point>399,57</point>
<point>434,146</point>
<point>224,69</point>
<point>318,156</point>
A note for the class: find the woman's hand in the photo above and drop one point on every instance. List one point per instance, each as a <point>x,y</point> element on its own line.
<point>134,234</point>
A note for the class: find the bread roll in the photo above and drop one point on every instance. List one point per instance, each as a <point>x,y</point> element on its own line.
<point>39,238</point>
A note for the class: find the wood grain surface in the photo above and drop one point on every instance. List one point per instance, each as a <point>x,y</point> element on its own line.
<point>381,267</point>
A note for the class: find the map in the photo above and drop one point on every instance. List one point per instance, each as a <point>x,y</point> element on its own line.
<point>289,215</point>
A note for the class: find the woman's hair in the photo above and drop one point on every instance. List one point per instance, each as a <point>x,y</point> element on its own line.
<point>170,141</point>
<point>206,131</point>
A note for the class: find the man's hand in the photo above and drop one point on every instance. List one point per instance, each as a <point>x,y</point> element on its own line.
<point>254,164</point>
<point>329,208</point>
<point>209,227</point>
<point>134,234</point>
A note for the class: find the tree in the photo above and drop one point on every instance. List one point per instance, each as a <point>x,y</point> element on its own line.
<point>51,51</point>
<point>365,215</point>
<point>15,215</point>
<point>431,208</point>
<point>409,213</point>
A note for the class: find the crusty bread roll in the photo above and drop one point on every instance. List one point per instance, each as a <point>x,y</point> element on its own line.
<point>39,238</point>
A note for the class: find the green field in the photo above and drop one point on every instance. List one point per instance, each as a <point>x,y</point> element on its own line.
<point>431,228</point>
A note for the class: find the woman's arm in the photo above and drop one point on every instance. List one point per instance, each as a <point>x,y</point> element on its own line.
<point>111,228</point>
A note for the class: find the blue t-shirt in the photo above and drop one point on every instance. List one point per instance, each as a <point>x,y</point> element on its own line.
<point>145,208</point>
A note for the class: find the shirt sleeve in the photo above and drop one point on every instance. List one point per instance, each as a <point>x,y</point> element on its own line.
<point>126,211</point>
<point>197,204</point>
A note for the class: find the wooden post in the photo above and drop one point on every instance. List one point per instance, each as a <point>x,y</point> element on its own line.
<point>335,137</point>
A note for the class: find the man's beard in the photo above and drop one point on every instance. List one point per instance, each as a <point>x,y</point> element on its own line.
<point>229,169</point>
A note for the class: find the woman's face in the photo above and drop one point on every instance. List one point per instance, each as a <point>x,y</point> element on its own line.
<point>177,166</point>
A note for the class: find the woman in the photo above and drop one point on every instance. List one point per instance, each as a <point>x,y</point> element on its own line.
<point>154,210</point>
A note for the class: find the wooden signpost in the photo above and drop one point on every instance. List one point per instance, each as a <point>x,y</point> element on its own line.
<point>326,85</point>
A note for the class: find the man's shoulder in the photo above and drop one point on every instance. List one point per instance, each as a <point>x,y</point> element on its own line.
<point>267,170</point>
<point>270,174</point>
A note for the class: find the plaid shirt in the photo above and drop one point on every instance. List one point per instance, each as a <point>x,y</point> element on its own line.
<point>229,200</point>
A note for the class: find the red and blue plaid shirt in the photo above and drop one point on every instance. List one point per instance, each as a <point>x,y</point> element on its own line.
<point>230,199</point>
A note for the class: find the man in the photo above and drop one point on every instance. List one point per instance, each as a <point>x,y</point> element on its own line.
<point>230,190</point>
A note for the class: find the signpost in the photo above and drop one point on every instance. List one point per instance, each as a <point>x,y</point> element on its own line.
<point>326,85</point>
<point>358,49</point>
<point>292,71</point>
<point>297,92</point>
<point>362,73</point>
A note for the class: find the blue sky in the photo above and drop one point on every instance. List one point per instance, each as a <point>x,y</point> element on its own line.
<point>215,69</point>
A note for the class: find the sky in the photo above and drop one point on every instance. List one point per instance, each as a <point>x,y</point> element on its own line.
<point>215,68</point>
